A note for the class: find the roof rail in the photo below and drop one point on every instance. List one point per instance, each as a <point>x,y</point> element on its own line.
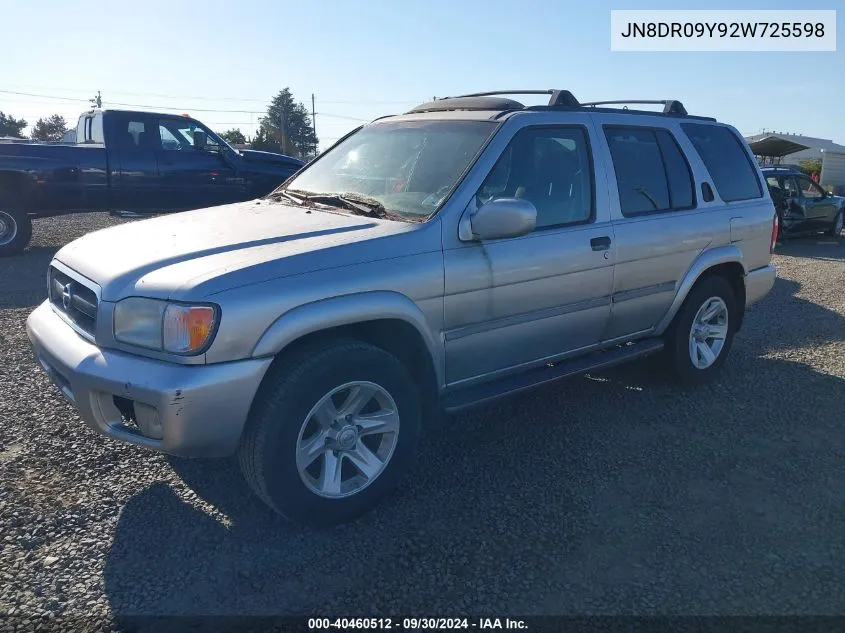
<point>557,97</point>
<point>670,106</point>
<point>558,100</point>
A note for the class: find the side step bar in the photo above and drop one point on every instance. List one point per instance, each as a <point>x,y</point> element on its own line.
<point>463,398</point>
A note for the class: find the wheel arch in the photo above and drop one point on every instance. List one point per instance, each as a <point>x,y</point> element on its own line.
<point>386,319</point>
<point>724,261</point>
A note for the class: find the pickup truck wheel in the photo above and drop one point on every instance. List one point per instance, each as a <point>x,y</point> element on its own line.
<point>15,230</point>
<point>700,338</point>
<point>331,432</point>
<point>836,229</point>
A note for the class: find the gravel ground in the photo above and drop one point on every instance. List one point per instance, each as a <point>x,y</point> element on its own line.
<point>609,494</point>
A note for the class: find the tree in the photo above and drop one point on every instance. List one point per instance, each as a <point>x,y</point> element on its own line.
<point>811,166</point>
<point>234,136</point>
<point>49,129</point>
<point>10,126</point>
<point>287,128</point>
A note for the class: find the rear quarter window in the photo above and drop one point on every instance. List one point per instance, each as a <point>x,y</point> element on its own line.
<point>733,173</point>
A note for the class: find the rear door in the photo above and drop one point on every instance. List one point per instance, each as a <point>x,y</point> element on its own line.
<point>659,222</point>
<point>131,144</point>
<point>193,176</point>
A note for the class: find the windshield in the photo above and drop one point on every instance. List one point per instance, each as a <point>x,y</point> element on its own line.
<point>407,167</point>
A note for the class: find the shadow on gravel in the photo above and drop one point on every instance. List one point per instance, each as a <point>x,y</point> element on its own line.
<point>798,323</point>
<point>823,248</point>
<point>611,493</point>
<point>24,277</point>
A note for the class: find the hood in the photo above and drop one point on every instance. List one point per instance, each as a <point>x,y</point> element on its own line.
<point>194,254</point>
<point>254,156</point>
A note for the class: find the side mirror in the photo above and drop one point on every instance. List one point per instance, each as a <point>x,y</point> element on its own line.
<point>502,218</point>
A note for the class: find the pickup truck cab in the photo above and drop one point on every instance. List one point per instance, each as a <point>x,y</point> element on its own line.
<point>430,261</point>
<point>128,161</point>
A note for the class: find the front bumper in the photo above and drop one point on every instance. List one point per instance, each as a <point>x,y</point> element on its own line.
<point>186,410</point>
<point>758,282</point>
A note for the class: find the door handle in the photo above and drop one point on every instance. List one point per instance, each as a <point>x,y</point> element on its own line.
<point>600,243</point>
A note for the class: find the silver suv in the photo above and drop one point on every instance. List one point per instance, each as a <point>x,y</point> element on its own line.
<point>468,249</point>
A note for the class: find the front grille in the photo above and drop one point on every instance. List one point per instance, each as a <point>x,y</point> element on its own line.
<point>76,301</point>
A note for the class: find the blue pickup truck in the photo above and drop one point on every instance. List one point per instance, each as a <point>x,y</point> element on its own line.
<point>142,162</point>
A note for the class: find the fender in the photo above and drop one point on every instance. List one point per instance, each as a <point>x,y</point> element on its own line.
<point>728,254</point>
<point>343,310</point>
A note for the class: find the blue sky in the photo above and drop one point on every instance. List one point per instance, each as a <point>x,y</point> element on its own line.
<point>362,59</point>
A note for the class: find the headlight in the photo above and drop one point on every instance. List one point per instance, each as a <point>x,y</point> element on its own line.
<point>160,325</point>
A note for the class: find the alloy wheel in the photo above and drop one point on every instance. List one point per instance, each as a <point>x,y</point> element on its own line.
<point>347,439</point>
<point>708,332</point>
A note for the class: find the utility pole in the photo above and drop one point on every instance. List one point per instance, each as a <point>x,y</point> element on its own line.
<point>314,122</point>
<point>97,101</point>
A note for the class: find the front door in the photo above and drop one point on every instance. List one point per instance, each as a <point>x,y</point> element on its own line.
<point>193,175</point>
<point>515,302</point>
<point>818,207</point>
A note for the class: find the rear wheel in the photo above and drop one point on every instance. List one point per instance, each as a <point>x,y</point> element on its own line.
<point>331,432</point>
<point>836,229</point>
<point>701,335</point>
<point>15,229</point>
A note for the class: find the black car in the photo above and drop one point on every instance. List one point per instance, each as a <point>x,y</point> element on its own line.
<point>802,205</point>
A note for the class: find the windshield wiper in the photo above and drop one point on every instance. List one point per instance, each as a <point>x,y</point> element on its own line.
<point>299,198</point>
<point>358,204</point>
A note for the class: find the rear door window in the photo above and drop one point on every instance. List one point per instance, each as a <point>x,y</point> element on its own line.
<point>134,135</point>
<point>809,189</point>
<point>652,175</point>
<point>677,171</point>
<point>640,176</point>
<point>733,173</point>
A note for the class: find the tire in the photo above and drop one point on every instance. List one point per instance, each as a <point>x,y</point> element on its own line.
<point>281,421</point>
<point>836,229</point>
<point>680,339</point>
<point>15,228</point>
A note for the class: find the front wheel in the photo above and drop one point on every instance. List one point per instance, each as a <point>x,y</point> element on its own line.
<point>15,230</point>
<point>701,335</point>
<point>836,229</point>
<point>331,432</point>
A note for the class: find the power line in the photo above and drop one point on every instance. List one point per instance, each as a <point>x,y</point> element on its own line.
<point>163,107</point>
<point>207,98</point>
<point>30,94</point>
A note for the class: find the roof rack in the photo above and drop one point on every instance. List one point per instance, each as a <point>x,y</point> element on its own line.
<point>670,106</point>
<point>558,99</point>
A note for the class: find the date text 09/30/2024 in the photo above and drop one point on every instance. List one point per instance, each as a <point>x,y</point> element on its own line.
<point>411,624</point>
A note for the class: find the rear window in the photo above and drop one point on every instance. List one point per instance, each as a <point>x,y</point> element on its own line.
<point>733,173</point>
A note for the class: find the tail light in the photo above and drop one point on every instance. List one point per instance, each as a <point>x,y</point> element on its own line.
<point>775,226</point>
